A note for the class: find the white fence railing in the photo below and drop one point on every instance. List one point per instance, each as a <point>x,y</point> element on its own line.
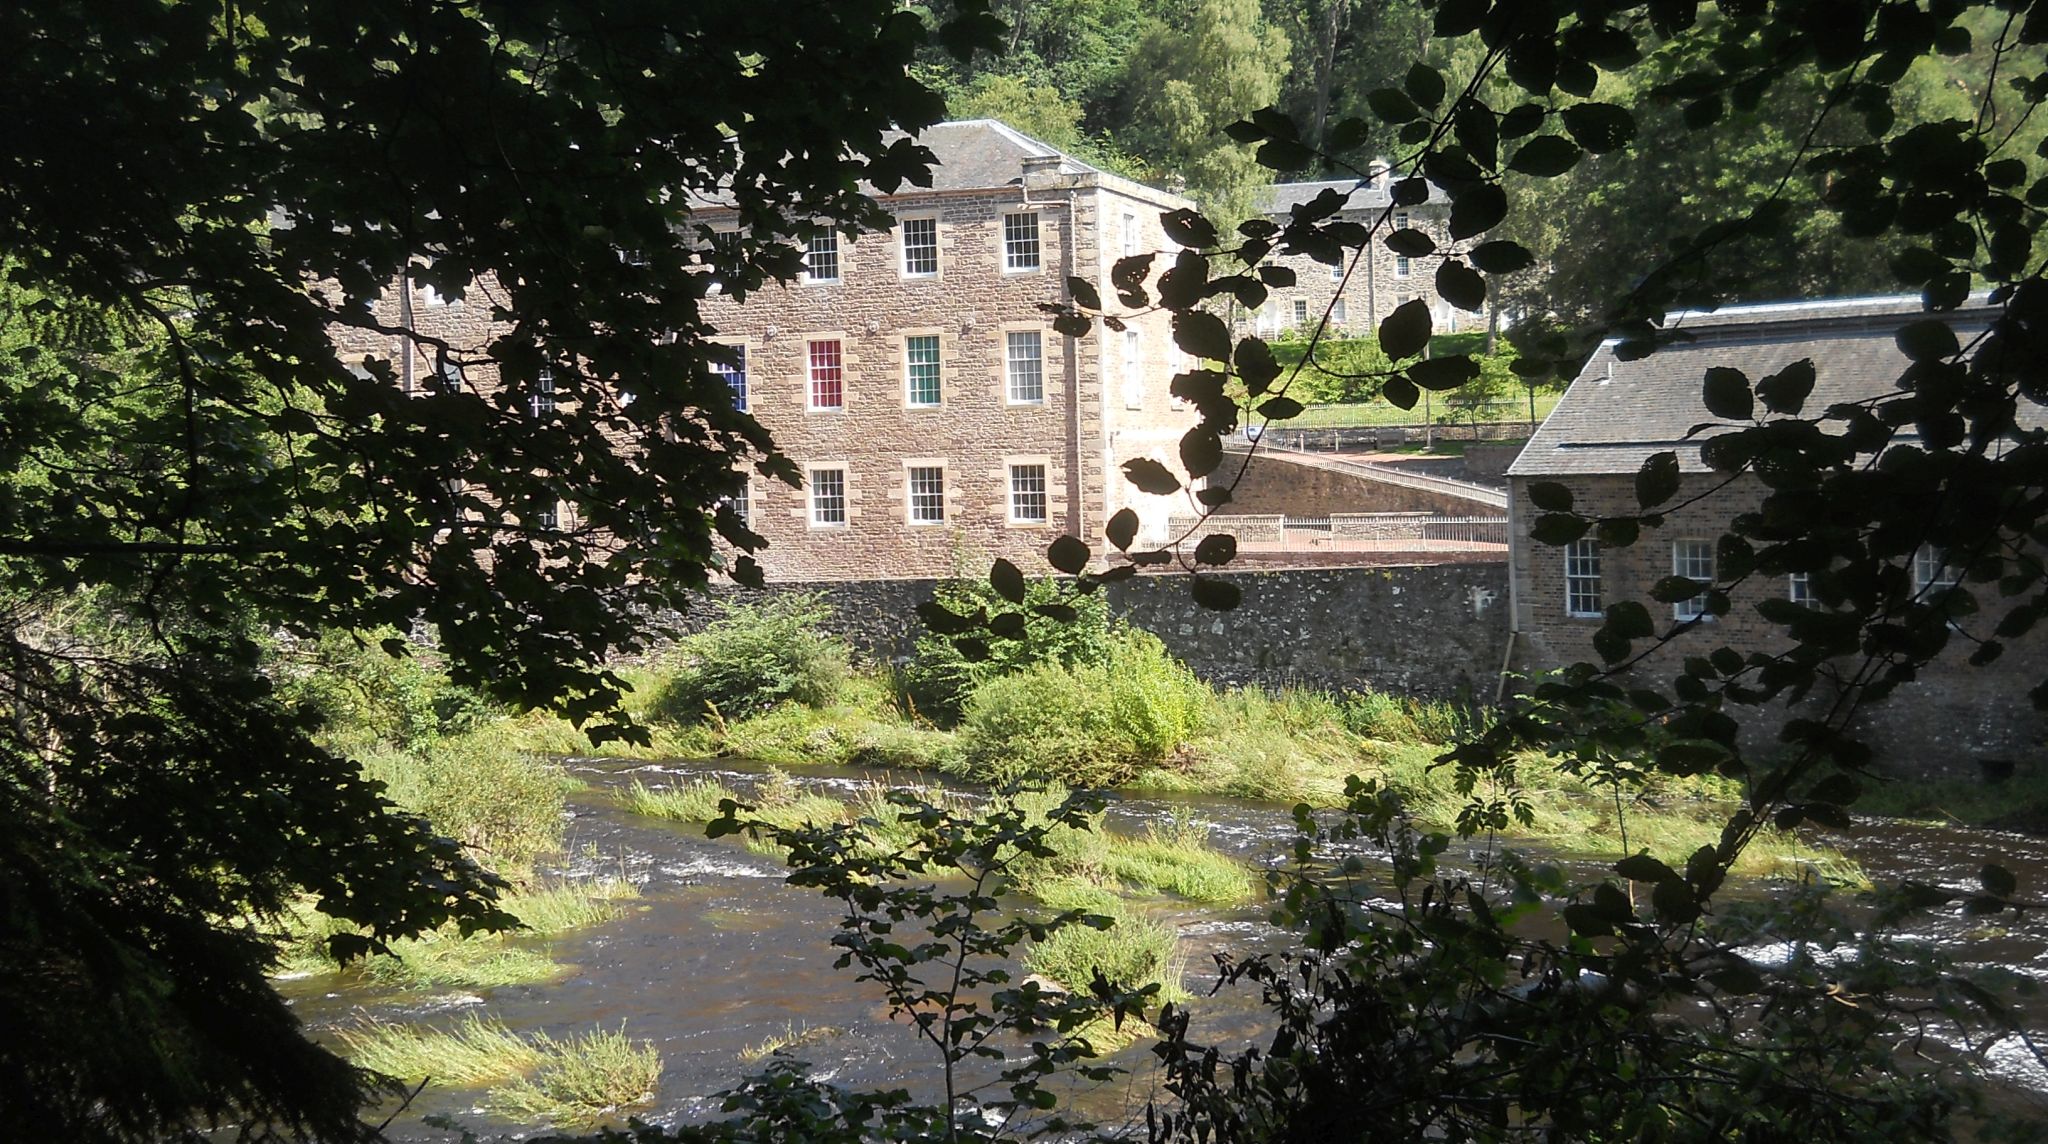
<point>1349,531</point>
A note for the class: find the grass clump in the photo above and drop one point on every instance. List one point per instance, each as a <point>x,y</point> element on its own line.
<point>581,1081</point>
<point>1131,951</point>
<point>691,802</point>
<point>476,1052</point>
<point>791,1037</point>
<point>445,958</point>
<point>575,1082</point>
<point>479,788</point>
<point>753,658</point>
<point>572,906</point>
<point>1177,860</point>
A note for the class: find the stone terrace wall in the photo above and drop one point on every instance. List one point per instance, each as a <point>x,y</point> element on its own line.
<point>1429,630</point>
<point>1278,485</point>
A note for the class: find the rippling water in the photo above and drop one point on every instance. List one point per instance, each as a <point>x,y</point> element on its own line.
<point>718,956</point>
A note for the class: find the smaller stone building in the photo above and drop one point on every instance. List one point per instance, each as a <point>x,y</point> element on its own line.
<point>1356,295</point>
<point>1617,413</point>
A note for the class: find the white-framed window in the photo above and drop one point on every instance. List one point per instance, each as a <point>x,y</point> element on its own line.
<point>828,497</point>
<point>1027,494</point>
<point>742,503</point>
<point>734,373</point>
<point>1024,367</point>
<point>1301,311</point>
<point>1401,265</point>
<point>1582,578</point>
<point>1932,573</point>
<point>1337,312</point>
<point>920,241</point>
<point>1176,364</point>
<point>1130,233</point>
<point>927,494</point>
<point>549,518</point>
<point>1694,560</point>
<point>821,258</point>
<point>921,370</point>
<point>827,374</point>
<point>1799,590</point>
<point>541,402</point>
<point>1337,271</point>
<point>1020,241</point>
<point>1133,371</point>
<point>1266,320</point>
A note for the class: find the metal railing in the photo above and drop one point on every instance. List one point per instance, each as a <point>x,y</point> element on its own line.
<point>1387,474</point>
<point>1350,532</point>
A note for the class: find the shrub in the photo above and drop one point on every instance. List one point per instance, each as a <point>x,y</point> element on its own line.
<point>755,657</point>
<point>480,790</point>
<point>1085,726</point>
<point>1045,722</point>
<point>368,698</point>
<point>1155,701</point>
<point>939,679</point>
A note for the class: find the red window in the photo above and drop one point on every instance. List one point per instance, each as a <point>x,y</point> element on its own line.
<point>827,390</point>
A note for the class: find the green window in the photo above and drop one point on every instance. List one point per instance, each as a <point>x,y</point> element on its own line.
<point>921,364</point>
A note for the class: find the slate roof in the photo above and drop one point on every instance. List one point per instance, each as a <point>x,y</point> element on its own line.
<point>972,154</point>
<point>976,154</point>
<point>1617,413</point>
<point>1282,198</point>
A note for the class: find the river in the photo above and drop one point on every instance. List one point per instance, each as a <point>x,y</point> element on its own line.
<point>718,956</point>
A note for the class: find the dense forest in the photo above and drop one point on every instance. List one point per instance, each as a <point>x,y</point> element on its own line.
<point>1145,88</point>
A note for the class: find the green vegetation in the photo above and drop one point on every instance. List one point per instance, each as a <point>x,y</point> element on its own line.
<point>1086,725</point>
<point>574,1083</point>
<point>1129,950</point>
<point>446,958</point>
<point>1342,383</point>
<point>582,1081</point>
<point>754,657</point>
<point>1176,860</point>
<point>940,677</point>
<point>1137,718</point>
<point>793,1036</point>
<point>476,1052</point>
<point>2017,803</point>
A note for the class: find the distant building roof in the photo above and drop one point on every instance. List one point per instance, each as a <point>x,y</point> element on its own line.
<point>1282,198</point>
<point>1617,413</point>
<point>975,154</point>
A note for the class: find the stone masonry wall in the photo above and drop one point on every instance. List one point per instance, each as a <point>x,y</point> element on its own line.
<point>1953,720</point>
<point>1276,485</point>
<point>1434,630</point>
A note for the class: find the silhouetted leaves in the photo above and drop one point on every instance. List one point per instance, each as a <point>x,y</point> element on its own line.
<point>1405,331</point>
<point>1151,477</point>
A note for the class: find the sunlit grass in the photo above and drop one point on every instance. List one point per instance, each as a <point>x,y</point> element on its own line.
<point>793,1036</point>
<point>582,1081</point>
<point>571,906</point>
<point>691,802</point>
<point>575,1082</point>
<point>445,958</point>
<point>476,1052</point>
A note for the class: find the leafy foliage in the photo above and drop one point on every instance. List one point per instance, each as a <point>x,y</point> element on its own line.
<point>1048,628</point>
<point>1086,726</point>
<point>755,656</point>
<point>188,220</point>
